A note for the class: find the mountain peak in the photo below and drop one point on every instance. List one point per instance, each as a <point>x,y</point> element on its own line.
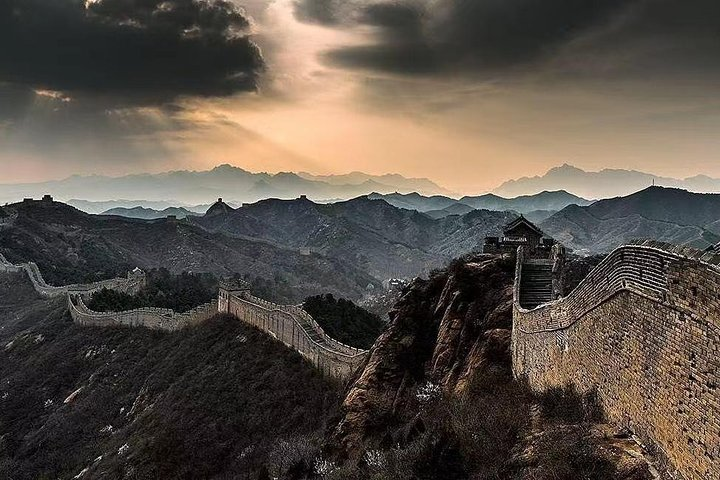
<point>218,208</point>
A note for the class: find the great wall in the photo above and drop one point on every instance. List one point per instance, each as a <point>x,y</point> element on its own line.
<point>289,324</point>
<point>641,333</point>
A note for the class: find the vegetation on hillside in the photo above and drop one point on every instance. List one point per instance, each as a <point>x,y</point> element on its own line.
<point>163,289</point>
<point>345,321</point>
<point>219,400</point>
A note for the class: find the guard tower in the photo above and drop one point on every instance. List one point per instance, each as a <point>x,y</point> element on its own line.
<point>231,287</point>
<point>520,231</point>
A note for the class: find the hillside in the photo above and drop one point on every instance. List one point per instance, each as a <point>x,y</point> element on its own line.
<point>456,208</point>
<point>213,401</point>
<point>545,200</point>
<point>72,246</point>
<point>373,235</point>
<point>665,214</point>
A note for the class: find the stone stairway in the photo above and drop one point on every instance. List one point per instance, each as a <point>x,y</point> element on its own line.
<point>536,283</point>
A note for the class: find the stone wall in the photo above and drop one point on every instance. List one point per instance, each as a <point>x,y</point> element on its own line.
<point>130,284</point>
<point>149,317</point>
<point>643,332</point>
<point>296,329</point>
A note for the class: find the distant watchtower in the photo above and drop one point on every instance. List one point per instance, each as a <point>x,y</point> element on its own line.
<point>230,286</point>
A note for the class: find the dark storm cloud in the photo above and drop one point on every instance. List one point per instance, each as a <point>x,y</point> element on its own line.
<point>425,36</point>
<point>127,51</point>
<point>490,36</point>
<point>14,101</point>
<point>323,12</point>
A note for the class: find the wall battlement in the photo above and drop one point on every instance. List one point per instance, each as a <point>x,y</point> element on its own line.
<point>642,331</point>
<point>296,329</point>
<point>148,317</point>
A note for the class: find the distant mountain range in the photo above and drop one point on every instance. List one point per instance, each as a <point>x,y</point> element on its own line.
<point>606,183</point>
<point>371,234</point>
<point>98,207</point>
<point>537,207</point>
<point>665,214</point>
<point>233,183</point>
<point>149,213</point>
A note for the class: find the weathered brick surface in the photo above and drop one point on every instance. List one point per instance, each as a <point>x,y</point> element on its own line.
<point>643,331</point>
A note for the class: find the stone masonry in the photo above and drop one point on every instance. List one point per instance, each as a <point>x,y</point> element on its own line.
<point>294,327</point>
<point>642,332</point>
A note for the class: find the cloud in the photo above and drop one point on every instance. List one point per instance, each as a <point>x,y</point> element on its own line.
<point>503,37</point>
<point>128,51</point>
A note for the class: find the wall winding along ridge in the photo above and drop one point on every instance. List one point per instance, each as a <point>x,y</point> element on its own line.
<point>296,329</point>
<point>288,323</point>
<point>643,332</point>
<point>131,284</point>
<point>149,317</point>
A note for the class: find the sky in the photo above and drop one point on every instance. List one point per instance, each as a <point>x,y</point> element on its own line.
<point>468,93</point>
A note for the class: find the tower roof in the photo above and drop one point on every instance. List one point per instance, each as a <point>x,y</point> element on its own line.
<point>521,220</point>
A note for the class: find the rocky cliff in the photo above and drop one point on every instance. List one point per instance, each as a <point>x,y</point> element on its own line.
<point>436,398</point>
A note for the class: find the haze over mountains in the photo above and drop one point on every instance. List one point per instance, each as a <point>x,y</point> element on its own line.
<point>606,183</point>
<point>372,235</point>
<point>199,187</point>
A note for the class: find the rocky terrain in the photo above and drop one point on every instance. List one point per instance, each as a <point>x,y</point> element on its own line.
<point>436,398</point>
<point>72,246</point>
<point>664,214</point>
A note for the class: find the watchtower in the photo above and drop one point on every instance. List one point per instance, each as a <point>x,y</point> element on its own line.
<point>520,231</point>
<point>231,287</point>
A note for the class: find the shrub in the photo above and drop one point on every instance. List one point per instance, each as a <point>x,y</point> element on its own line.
<point>345,321</point>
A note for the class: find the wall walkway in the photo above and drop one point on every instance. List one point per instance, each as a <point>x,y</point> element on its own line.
<point>643,332</point>
<point>296,329</point>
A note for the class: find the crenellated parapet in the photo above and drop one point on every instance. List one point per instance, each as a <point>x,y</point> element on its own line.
<point>148,317</point>
<point>642,331</point>
<point>295,328</point>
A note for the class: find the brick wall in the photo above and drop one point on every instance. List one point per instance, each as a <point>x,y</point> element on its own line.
<point>296,329</point>
<point>643,332</point>
<point>130,284</point>
<point>148,317</point>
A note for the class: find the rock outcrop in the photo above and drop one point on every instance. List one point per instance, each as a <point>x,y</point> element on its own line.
<point>443,331</point>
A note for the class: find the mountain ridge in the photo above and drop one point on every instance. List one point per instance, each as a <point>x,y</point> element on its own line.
<point>605,183</point>
<point>665,214</point>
